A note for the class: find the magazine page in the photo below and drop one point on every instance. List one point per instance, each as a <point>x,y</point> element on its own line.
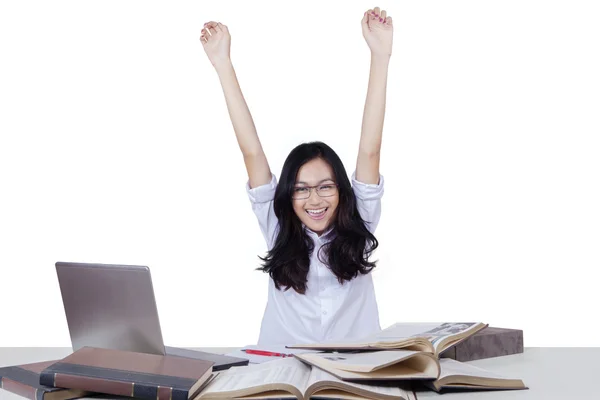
<point>282,371</point>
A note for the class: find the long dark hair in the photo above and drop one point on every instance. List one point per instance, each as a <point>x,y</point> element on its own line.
<point>351,244</point>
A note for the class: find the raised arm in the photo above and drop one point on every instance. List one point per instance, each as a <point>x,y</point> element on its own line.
<point>216,41</point>
<point>378,32</point>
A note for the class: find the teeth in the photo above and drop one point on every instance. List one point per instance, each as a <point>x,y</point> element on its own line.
<point>317,211</point>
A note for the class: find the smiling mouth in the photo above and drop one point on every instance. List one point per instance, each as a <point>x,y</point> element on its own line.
<point>317,214</point>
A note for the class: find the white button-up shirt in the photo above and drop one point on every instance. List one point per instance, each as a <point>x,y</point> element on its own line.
<point>328,310</point>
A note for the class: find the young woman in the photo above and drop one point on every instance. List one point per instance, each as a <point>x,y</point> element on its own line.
<point>317,223</point>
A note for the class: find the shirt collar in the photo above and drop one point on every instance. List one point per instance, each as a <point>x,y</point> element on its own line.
<point>313,233</point>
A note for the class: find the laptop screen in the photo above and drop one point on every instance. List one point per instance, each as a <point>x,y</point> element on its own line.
<point>110,306</point>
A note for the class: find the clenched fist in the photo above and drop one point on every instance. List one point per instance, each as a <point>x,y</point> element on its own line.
<point>216,41</point>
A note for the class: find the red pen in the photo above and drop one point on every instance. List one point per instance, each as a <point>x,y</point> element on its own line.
<point>266,353</point>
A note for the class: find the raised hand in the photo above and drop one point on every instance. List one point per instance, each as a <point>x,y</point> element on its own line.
<point>378,31</point>
<point>216,41</point>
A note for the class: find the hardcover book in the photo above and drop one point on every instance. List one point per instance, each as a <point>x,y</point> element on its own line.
<point>24,380</point>
<point>487,343</point>
<point>125,373</point>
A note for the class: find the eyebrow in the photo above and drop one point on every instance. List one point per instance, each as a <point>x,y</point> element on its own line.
<point>327,179</point>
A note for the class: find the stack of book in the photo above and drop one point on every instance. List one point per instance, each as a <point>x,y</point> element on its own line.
<point>388,365</point>
<point>92,370</point>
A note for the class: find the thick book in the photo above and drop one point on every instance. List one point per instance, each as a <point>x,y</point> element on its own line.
<point>125,373</point>
<point>487,343</point>
<point>24,380</point>
<point>434,338</point>
<point>290,378</point>
<point>458,375</point>
<point>387,365</point>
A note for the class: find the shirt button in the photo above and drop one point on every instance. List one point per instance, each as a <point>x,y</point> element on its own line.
<point>324,312</point>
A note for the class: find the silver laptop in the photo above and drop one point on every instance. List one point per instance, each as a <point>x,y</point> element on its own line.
<point>113,306</point>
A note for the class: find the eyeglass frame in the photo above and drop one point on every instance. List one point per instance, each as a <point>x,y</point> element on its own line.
<point>310,189</point>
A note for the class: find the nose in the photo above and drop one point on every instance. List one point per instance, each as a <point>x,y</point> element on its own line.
<point>313,197</point>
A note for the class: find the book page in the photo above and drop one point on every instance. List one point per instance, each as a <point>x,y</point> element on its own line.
<point>282,371</point>
<point>363,361</point>
<point>402,330</point>
<point>450,367</point>
<point>435,332</point>
<point>401,333</point>
<point>446,330</point>
<point>318,375</point>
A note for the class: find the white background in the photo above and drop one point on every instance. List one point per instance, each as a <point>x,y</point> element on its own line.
<point>116,147</point>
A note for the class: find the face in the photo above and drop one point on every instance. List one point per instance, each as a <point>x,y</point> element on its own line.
<point>316,212</point>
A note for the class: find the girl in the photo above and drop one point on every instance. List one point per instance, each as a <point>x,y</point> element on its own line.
<point>317,224</point>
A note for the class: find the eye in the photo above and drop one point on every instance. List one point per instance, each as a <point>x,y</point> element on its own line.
<point>300,190</point>
<point>326,187</point>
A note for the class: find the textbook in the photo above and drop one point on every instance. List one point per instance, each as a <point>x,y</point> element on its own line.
<point>433,338</point>
<point>24,380</point>
<point>290,378</point>
<point>457,375</point>
<point>388,365</point>
<point>403,365</point>
<point>126,373</point>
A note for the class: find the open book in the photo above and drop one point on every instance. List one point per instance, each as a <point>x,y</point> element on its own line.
<point>291,378</point>
<point>433,338</point>
<point>457,375</point>
<point>389,365</point>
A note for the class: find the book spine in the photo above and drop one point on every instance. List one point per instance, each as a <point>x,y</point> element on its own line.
<point>118,388</point>
<point>21,389</point>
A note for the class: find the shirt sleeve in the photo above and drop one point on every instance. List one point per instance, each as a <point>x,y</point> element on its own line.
<point>368,201</point>
<point>262,199</point>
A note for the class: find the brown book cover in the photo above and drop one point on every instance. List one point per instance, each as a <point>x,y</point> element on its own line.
<point>487,343</point>
<point>24,380</point>
<point>125,373</point>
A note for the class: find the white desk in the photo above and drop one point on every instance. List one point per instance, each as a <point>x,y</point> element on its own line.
<point>550,373</point>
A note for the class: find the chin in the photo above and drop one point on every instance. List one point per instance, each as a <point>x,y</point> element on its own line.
<point>318,226</point>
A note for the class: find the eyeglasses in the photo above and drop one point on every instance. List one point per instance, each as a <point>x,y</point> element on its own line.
<point>325,190</point>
